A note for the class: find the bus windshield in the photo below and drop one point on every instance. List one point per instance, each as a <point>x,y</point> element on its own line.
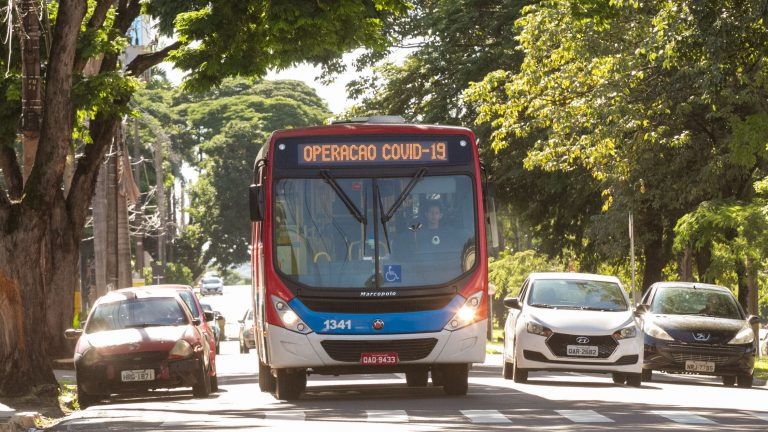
<point>333,232</point>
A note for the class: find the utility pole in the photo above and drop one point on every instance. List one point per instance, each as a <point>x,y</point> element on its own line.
<point>138,207</point>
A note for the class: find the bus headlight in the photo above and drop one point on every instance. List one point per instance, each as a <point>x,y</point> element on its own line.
<point>466,314</point>
<point>288,317</point>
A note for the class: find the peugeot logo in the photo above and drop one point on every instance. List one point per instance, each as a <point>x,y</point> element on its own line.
<point>582,339</point>
<point>701,336</point>
<point>378,324</point>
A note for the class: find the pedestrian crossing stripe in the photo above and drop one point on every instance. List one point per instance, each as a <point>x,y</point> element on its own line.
<point>485,416</point>
<point>684,417</point>
<point>584,416</point>
<point>387,416</point>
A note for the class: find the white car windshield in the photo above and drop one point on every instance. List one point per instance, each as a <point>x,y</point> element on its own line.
<point>577,294</point>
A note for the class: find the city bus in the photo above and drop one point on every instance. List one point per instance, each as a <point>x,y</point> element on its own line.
<point>349,275</point>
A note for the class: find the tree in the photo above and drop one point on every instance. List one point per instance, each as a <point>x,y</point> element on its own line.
<point>40,225</point>
<point>663,123</point>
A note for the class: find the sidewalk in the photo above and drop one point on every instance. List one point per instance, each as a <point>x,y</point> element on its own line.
<point>12,420</point>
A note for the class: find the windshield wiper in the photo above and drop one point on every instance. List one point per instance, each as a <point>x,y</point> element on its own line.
<point>542,305</point>
<point>400,199</point>
<point>344,197</point>
<point>377,193</point>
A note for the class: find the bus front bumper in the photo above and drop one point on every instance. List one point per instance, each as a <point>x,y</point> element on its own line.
<point>287,349</point>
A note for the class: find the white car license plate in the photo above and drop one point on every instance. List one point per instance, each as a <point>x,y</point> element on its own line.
<point>138,375</point>
<point>582,350</point>
<point>699,366</point>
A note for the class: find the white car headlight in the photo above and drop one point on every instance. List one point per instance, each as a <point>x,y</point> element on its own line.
<point>466,314</point>
<point>181,350</point>
<point>744,336</point>
<point>655,331</point>
<point>538,329</point>
<point>625,333</point>
<point>290,319</point>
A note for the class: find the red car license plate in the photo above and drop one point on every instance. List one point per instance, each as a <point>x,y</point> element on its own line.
<point>378,358</point>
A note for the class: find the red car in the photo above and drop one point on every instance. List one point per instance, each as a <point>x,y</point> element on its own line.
<point>137,339</point>
<point>206,322</point>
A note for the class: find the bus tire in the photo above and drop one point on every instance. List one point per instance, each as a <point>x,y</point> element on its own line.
<point>456,379</point>
<point>266,380</point>
<point>417,378</point>
<point>288,384</point>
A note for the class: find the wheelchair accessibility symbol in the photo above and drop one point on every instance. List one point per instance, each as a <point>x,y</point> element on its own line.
<point>393,273</point>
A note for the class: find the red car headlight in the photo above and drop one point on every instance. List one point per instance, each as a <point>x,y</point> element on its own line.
<point>181,350</point>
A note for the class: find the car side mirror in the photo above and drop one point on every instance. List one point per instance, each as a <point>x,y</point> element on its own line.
<point>208,316</point>
<point>753,319</point>
<point>72,334</point>
<point>241,321</point>
<point>196,321</point>
<point>512,303</point>
<point>641,309</point>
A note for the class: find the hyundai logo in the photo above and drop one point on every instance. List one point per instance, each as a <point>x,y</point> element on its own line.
<point>701,336</point>
<point>378,324</point>
<point>582,339</point>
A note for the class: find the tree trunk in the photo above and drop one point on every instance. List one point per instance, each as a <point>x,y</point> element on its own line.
<point>653,251</point>
<point>741,278</point>
<point>31,103</point>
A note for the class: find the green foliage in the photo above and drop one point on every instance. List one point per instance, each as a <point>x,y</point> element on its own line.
<point>251,37</point>
<point>509,271</point>
<point>177,274</point>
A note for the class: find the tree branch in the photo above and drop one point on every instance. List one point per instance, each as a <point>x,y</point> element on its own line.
<point>143,62</point>
<point>95,22</point>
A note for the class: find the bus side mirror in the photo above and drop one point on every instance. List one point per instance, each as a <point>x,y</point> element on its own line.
<point>256,202</point>
<point>493,239</point>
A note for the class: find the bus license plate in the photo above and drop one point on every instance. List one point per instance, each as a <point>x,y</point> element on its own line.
<point>582,350</point>
<point>375,359</point>
<point>138,375</point>
<point>699,366</point>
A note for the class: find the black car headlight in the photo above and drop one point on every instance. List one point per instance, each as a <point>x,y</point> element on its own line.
<point>744,336</point>
<point>90,357</point>
<point>655,331</point>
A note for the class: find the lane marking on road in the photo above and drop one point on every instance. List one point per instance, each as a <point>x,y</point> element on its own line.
<point>387,416</point>
<point>285,415</point>
<point>761,416</point>
<point>684,417</point>
<point>584,416</point>
<point>485,416</point>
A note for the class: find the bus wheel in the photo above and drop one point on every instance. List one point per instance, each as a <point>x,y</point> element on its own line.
<point>417,378</point>
<point>266,380</point>
<point>456,379</point>
<point>289,384</point>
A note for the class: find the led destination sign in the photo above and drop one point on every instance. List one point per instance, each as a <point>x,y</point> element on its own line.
<point>372,152</point>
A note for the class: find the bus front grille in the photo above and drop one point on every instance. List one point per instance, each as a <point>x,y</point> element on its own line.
<point>406,349</point>
<point>377,305</point>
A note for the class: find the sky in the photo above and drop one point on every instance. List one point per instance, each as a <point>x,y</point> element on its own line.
<point>335,95</point>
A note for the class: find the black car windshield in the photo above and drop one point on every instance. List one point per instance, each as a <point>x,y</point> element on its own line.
<point>577,294</point>
<point>695,301</point>
<point>136,313</point>
<point>333,231</point>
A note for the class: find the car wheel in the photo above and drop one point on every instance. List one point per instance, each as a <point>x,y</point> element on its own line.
<point>729,381</point>
<point>519,375</point>
<point>417,378</point>
<point>506,370</point>
<point>84,399</point>
<point>744,381</point>
<point>647,375</point>
<point>634,379</point>
<point>202,388</point>
<point>214,383</point>
<point>266,380</point>
<point>456,379</point>
<point>288,385</point>
<point>619,378</point>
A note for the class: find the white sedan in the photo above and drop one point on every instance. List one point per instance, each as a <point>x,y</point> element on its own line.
<point>572,322</point>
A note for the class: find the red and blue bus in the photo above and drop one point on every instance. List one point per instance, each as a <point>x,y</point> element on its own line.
<point>350,272</point>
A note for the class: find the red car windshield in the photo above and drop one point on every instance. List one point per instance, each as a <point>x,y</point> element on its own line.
<point>136,313</point>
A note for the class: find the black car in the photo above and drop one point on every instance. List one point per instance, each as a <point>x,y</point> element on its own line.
<point>697,328</point>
